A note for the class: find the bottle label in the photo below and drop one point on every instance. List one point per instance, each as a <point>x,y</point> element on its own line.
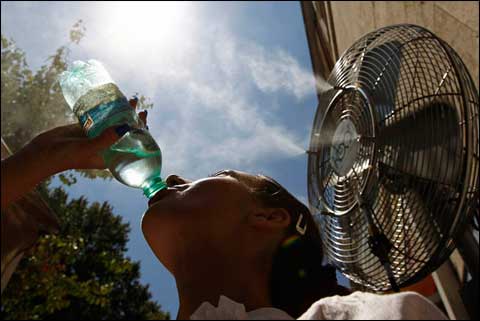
<point>104,115</point>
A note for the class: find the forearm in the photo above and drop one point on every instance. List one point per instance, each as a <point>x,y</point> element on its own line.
<point>24,170</point>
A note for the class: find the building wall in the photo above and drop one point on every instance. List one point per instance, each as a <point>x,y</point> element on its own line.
<point>456,22</point>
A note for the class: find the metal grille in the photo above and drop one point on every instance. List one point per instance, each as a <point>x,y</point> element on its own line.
<point>394,157</point>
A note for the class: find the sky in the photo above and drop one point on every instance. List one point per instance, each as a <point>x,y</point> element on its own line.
<point>231,83</point>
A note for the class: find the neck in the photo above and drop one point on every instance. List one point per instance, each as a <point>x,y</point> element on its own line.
<point>242,282</point>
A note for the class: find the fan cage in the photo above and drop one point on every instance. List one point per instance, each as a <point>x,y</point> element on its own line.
<point>415,108</point>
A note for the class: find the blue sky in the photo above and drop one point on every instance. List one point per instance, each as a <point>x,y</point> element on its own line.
<point>231,83</point>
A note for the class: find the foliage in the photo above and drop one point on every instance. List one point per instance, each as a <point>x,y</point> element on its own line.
<point>81,273</point>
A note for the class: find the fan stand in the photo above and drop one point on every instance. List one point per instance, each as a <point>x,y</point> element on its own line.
<point>379,244</point>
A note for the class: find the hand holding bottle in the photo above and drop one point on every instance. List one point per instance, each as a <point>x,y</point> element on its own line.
<point>54,151</point>
<point>68,147</point>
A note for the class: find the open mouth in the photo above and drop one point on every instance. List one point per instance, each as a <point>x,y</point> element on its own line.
<point>160,195</point>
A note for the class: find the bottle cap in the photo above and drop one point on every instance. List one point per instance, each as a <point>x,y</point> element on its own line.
<point>152,186</point>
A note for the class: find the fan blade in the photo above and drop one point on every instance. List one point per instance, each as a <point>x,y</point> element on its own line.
<point>415,209</point>
<point>379,74</point>
<point>423,142</point>
<point>419,150</point>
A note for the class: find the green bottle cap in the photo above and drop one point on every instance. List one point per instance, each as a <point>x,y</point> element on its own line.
<point>152,186</point>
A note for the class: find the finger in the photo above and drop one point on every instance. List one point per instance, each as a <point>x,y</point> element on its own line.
<point>143,116</point>
<point>72,130</point>
<point>133,102</point>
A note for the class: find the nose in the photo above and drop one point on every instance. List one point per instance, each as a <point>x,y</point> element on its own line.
<point>173,180</point>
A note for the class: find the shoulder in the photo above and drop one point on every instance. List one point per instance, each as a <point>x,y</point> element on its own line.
<point>362,305</point>
<point>230,310</point>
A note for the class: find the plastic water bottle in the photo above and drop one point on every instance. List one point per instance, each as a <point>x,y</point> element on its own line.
<point>135,159</point>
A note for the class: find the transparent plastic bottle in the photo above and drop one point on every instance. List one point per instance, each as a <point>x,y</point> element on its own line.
<point>135,159</point>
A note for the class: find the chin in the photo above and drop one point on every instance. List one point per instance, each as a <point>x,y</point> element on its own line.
<point>158,210</point>
<point>155,219</point>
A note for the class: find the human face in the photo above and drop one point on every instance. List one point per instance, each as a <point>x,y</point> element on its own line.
<point>209,215</point>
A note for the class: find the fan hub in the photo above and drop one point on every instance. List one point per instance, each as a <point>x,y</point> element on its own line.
<point>347,121</point>
<point>345,146</point>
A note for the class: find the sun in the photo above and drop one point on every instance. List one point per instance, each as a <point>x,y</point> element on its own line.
<point>146,25</point>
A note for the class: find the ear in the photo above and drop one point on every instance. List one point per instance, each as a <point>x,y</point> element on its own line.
<point>269,218</point>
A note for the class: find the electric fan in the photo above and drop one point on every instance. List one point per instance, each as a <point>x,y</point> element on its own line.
<point>394,157</point>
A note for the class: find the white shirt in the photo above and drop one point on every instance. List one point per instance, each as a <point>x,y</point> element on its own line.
<point>356,306</point>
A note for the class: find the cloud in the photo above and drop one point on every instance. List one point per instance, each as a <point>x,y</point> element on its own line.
<point>205,82</point>
<point>225,126</point>
<point>222,128</point>
<point>277,71</point>
<point>211,79</point>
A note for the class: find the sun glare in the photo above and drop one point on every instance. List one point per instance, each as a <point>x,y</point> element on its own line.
<point>146,25</point>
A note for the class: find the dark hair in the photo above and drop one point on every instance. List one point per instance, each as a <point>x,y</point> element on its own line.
<point>298,277</point>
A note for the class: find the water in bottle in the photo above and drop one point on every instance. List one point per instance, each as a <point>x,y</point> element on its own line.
<point>135,159</point>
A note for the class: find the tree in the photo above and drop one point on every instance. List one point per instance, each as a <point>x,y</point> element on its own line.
<point>81,273</point>
<point>32,102</point>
